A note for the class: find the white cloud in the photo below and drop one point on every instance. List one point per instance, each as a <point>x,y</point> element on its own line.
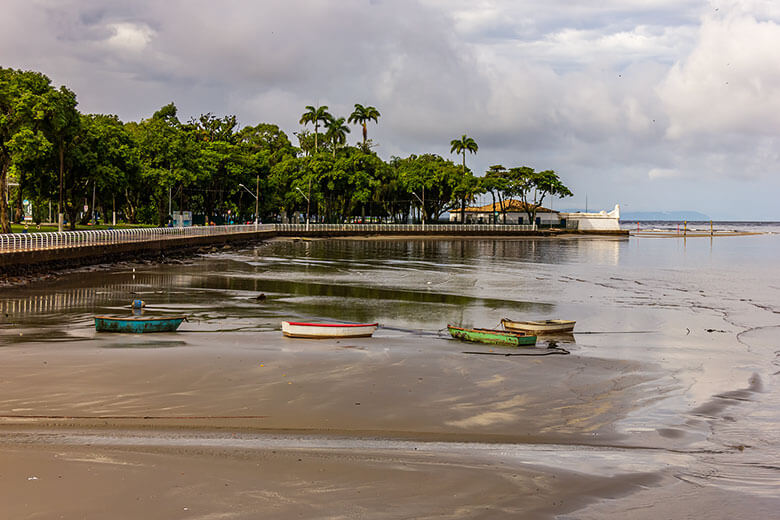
<point>129,36</point>
<point>730,83</point>
<point>662,173</point>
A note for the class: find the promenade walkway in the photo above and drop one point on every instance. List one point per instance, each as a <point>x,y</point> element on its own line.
<point>77,239</point>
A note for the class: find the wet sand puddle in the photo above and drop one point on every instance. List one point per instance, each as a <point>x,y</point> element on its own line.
<point>595,460</point>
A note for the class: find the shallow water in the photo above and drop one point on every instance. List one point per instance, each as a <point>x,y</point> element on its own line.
<point>701,312</point>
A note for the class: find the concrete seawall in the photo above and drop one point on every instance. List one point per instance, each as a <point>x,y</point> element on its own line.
<point>20,263</point>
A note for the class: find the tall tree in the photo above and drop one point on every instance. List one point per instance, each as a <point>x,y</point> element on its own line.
<point>100,162</point>
<point>431,178</point>
<point>461,146</point>
<point>22,112</point>
<point>64,128</point>
<point>336,133</point>
<point>493,183</point>
<point>315,116</point>
<point>363,115</point>
<point>167,157</point>
<point>535,186</point>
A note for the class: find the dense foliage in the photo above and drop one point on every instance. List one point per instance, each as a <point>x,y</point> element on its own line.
<point>87,165</point>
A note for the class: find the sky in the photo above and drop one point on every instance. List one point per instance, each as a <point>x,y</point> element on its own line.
<point>658,105</point>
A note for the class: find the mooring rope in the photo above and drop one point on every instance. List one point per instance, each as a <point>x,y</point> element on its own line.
<point>144,417</point>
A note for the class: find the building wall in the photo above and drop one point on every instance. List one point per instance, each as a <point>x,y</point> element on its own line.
<point>512,217</point>
<point>602,221</point>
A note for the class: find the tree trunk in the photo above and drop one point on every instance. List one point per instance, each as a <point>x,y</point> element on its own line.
<point>72,214</point>
<point>493,213</point>
<point>130,217</point>
<point>5,224</point>
<point>18,210</point>
<point>463,200</point>
<point>61,209</point>
<point>161,213</point>
<point>502,205</point>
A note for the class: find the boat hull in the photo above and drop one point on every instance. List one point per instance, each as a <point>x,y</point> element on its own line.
<point>493,337</point>
<point>293,329</point>
<point>137,325</point>
<point>540,327</point>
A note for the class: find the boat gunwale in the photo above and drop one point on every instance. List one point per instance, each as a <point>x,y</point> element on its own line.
<point>539,326</point>
<point>321,336</point>
<point>493,336</point>
<point>498,332</point>
<point>142,318</point>
<point>303,324</point>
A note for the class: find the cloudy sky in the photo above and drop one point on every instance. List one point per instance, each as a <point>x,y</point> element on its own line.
<point>654,104</point>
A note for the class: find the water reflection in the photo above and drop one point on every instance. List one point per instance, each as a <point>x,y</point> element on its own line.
<point>466,251</point>
<point>417,284</point>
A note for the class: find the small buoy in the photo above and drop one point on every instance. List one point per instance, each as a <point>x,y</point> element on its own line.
<point>138,304</point>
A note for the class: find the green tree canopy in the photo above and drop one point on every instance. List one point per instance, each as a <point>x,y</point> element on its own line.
<point>336,132</point>
<point>467,186</point>
<point>363,115</point>
<point>315,116</point>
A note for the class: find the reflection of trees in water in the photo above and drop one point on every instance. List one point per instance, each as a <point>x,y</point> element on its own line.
<point>549,251</point>
<point>329,281</point>
<point>106,293</point>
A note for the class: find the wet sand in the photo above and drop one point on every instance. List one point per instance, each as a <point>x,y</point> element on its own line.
<point>228,419</point>
<point>150,431</point>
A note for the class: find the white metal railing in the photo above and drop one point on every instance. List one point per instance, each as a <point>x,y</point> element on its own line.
<point>70,239</point>
<point>401,228</point>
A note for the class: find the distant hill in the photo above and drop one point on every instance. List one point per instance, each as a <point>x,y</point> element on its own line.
<point>664,215</point>
<point>653,215</point>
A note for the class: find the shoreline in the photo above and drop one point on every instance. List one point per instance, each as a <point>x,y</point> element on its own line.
<point>28,262</point>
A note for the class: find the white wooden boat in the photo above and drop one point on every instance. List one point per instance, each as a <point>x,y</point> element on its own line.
<point>295,329</point>
<point>540,327</point>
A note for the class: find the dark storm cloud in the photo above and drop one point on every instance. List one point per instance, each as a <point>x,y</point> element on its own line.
<point>626,99</point>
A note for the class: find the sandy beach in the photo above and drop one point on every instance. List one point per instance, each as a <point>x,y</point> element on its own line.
<point>228,419</point>
<point>256,428</point>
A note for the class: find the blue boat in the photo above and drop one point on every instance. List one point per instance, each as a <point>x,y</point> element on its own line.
<point>137,324</point>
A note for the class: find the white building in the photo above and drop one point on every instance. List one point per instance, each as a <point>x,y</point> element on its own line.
<point>515,214</point>
<point>601,221</point>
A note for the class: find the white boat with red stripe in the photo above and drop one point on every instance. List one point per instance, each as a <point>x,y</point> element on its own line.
<point>295,329</point>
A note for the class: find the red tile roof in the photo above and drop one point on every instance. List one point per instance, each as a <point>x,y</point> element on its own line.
<point>510,204</point>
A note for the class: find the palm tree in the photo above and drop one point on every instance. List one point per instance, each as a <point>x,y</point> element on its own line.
<point>362,115</point>
<point>492,182</point>
<point>461,146</point>
<point>315,115</point>
<point>337,132</point>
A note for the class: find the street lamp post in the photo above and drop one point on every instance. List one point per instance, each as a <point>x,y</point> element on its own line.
<point>308,205</point>
<point>257,200</point>
<point>422,206</point>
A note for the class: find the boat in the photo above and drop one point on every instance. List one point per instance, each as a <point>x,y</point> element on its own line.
<point>294,329</point>
<point>539,327</point>
<point>137,324</point>
<point>496,337</point>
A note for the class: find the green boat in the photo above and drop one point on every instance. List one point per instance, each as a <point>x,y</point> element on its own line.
<point>137,324</point>
<point>495,337</point>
